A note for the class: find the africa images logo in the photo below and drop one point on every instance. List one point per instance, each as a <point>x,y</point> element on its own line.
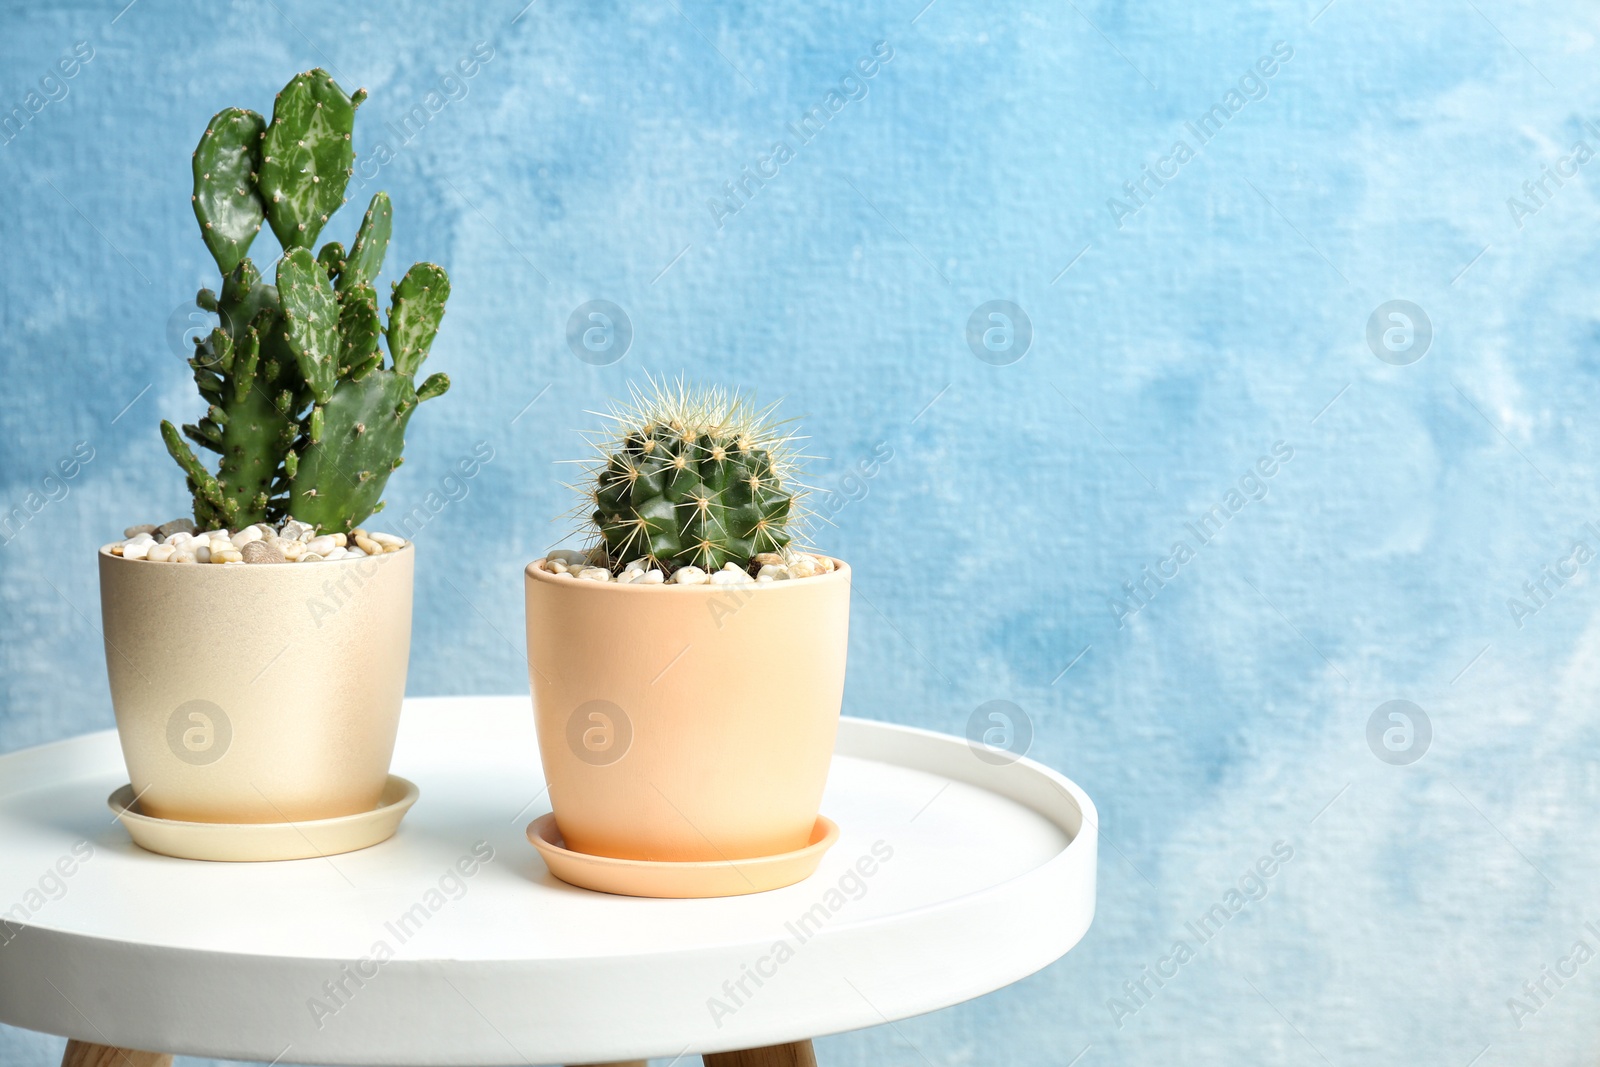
<point>199,733</point>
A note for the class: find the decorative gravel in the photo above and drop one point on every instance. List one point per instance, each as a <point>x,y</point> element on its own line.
<point>292,542</point>
<point>768,567</point>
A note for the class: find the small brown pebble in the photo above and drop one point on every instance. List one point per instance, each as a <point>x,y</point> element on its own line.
<point>167,529</point>
<point>261,552</point>
<point>135,531</point>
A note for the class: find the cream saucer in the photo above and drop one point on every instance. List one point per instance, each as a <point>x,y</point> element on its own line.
<point>653,878</point>
<point>243,842</point>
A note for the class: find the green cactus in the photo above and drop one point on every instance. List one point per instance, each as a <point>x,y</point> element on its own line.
<point>307,156</point>
<point>225,198</point>
<point>696,477</point>
<point>353,440</point>
<point>306,418</point>
<point>247,424</point>
<point>372,242</point>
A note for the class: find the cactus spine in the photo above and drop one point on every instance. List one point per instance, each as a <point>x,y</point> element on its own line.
<point>691,476</point>
<point>307,419</point>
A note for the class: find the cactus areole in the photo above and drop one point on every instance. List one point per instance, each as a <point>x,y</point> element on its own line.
<point>307,416</point>
<point>692,477</point>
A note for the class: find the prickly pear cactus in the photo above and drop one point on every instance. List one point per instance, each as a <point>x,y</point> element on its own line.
<point>225,197</point>
<point>695,477</point>
<point>354,436</point>
<point>305,416</point>
<point>306,156</point>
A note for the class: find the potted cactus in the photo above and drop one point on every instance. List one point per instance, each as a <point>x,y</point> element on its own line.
<point>687,664</point>
<point>247,692</point>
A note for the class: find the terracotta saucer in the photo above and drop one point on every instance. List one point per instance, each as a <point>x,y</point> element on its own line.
<point>243,842</point>
<point>653,878</point>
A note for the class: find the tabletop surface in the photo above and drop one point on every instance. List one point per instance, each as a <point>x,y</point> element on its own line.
<point>451,942</point>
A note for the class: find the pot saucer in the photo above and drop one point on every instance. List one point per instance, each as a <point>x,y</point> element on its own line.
<point>243,842</point>
<point>657,878</point>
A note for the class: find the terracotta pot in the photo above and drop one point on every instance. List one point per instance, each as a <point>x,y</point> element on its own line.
<point>257,693</point>
<point>686,723</point>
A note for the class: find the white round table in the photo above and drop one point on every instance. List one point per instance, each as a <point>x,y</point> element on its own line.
<point>452,944</point>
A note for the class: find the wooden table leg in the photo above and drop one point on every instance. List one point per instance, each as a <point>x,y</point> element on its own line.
<point>797,1054</point>
<point>84,1054</point>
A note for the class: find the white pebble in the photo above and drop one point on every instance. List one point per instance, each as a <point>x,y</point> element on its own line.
<point>202,551</point>
<point>245,536</point>
<point>568,556</point>
<point>292,550</point>
<point>183,555</point>
<point>388,539</point>
<point>178,537</point>
<point>772,572</point>
<point>226,555</point>
<point>595,574</point>
<point>321,545</point>
<point>651,577</point>
<point>294,530</point>
<point>689,576</point>
<point>727,577</point>
<point>161,553</point>
<point>339,552</point>
<point>141,539</point>
<point>311,557</point>
<point>556,566</point>
<point>167,529</point>
<point>564,574</point>
<point>135,549</point>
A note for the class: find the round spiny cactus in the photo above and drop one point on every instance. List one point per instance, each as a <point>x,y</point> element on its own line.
<point>691,477</point>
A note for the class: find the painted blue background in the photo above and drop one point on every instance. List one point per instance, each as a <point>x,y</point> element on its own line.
<point>1227,313</point>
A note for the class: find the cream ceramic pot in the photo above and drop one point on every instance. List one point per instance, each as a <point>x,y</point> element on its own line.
<point>687,722</point>
<point>259,692</point>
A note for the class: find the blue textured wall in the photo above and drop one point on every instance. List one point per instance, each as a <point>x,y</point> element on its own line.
<point>1180,332</point>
